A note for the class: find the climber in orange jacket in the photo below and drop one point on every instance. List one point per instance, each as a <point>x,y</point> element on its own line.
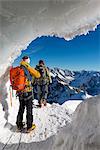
<point>26,96</point>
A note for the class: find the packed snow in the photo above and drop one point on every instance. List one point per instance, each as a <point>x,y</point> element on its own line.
<point>71,105</point>
<point>49,120</point>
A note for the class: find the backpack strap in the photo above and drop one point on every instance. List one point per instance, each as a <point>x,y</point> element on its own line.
<point>27,74</point>
<point>48,75</point>
<point>42,70</point>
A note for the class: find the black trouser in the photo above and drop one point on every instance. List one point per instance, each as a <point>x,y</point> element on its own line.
<point>41,91</point>
<point>25,100</point>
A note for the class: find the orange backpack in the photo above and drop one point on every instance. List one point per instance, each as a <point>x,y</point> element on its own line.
<point>17,78</point>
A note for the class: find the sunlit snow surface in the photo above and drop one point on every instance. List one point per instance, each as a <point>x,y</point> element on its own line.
<point>48,120</point>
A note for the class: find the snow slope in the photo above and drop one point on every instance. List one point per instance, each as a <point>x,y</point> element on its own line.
<point>49,120</point>
<point>71,105</point>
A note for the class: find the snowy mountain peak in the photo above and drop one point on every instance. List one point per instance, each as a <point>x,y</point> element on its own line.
<point>69,85</point>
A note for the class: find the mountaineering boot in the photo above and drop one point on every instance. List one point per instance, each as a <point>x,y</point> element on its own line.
<point>40,103</point>
<point>19,129</point>
<point>44,102</point>
<point>31,129</point>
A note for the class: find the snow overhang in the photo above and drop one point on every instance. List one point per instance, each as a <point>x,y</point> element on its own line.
<point>23,21</point>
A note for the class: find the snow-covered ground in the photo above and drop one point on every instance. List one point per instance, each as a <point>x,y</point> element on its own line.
<point>71,105</point>
<point>49,120</point>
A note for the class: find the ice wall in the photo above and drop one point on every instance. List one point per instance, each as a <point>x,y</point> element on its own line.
<point>84,132</point>
<point>23,21</point>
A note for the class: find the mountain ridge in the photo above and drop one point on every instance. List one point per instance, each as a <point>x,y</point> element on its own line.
<point>69,85</point>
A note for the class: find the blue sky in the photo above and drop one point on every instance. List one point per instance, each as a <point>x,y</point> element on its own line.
<point>81,53</point>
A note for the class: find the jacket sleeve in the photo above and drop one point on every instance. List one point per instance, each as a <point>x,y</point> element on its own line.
<point>32,71</point>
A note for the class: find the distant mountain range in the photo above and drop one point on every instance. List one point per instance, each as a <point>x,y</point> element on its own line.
<point>69,85</point>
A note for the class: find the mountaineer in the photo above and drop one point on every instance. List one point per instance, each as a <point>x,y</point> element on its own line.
<point>42,84</point>
<point>21,78</point>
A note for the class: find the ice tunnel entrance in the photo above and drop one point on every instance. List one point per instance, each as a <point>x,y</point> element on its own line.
<point>23,21</point>
<point>64,58</point>
<point>41,45</point>
<point>45,132</point>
